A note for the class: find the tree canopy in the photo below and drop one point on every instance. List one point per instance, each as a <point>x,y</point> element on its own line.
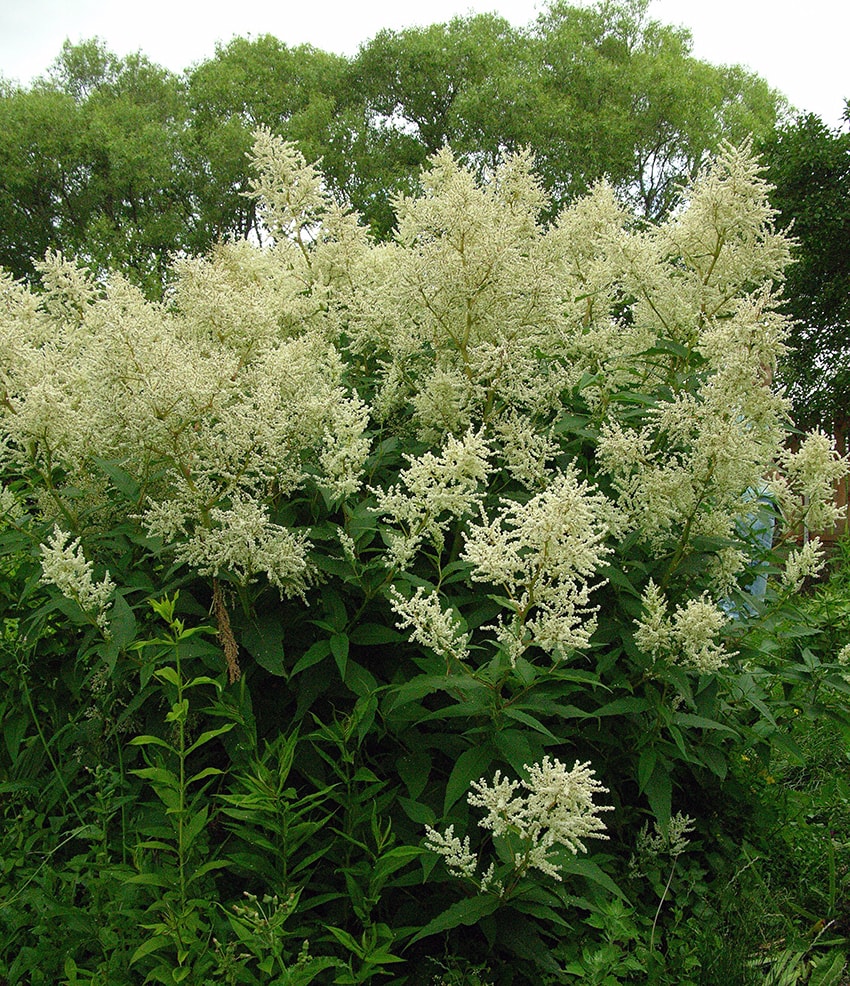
<point>123,163</point>
<point>809,165</point>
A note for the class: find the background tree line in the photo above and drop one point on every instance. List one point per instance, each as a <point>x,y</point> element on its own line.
<point>124,164</point>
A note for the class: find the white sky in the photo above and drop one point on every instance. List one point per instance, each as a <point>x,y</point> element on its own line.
<point>799,47</point>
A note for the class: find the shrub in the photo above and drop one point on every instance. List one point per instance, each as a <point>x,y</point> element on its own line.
<point>467,506</point>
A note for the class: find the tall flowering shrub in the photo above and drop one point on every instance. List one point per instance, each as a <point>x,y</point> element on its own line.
<point>481,491</point>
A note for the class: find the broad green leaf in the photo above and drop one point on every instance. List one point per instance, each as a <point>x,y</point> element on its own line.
<point>413,768</point>
<point>468,911</point>
<point>168,674</point>
<point>646,765</point>
<point>469,766</point>
<point>150,879</point>
<point>208,735</point>
<point>120,478</point>
<point>586,867</point>
<point>313,655</point>
<point>687,719</point>
<point>122,622</point>
<point>263,639</point>
<point>367,634</point>
<point>339,649</point>
<point>158,776</point>
<point>151,945</point>
<point>518,747</point>
<point>202,774</point>
<point>193,827</point>
<point>659,793</point>
<point>511,712</point>
<point>827,969</point>
<point>417,812</point>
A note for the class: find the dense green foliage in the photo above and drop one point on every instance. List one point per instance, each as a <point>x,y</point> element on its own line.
<point>124,164</point>
<point>304,565</point>
<point>809,165</point>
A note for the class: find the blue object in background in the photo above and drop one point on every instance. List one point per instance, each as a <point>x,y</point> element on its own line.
<point>757,529</point>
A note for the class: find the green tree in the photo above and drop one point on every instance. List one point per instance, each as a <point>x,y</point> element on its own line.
<point>602,92</point>
<point>122,163</point>
<point>809,165</point>
<point>622,98</point>
<point>91,166</point>
<point>248,84</point>
<point>43,198</point>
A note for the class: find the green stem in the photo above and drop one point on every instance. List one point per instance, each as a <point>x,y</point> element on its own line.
<point>44,742</point>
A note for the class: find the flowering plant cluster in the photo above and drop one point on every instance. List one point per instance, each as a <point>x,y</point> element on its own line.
<point>557,811</point>
<point>456,503</point>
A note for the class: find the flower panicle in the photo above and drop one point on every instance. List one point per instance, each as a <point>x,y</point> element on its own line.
<point>65,565</point>
<point>552,808</point>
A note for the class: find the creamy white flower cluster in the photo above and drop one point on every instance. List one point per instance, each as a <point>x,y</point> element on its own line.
<point>219,403</point>
<point>432,626</point>
<point>64,565</point>
<point>843,658</point>
<point>241,540</point>
<point>688,638</point>
<point>556,811</point>
<point>460,307</point>
<point>803,563</point>
<point>806,487</point>
<point>543,554</point>
<point>469,330</point>
<point>434,490</point>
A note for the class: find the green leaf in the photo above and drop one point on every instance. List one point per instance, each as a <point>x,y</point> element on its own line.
<point>646,765</point>
<point>622,706</point>
<point>469,766</point>
<point>517,748</point>
<point>152,741</point>
<point>193,827</point>
<point>339,649</point>
<point>413,768</point>
<point>616,576</point>
<point>468,911</point>
<point>204,679</point>
<point>582,866</point>
<point>368,634</point>
<point>263,639</point>
<point>429,684</point>
<point>313,655</point>
<point>158,776</point>
<point>715,759</point>
<point>122,622</point>
<point>120,478</point>
<point>168,674</point>
<point>202,774</point>
<point>417,812</point>
<point>150,879</point>
<point>179,711</point>
<point>347,941</point>
<point>359,680</point>
<point>208,735</point>
<point>151,945</point>
<point>659,793</point>
<point>335,608</point>
<point>511,712</point>
<point>208,867</point>
<point>687,719</point>
<point>14,728</point>
<point>827,970</point>
<point>390,862</point>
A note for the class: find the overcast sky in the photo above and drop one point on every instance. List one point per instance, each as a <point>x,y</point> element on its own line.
<point>799,46</point>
